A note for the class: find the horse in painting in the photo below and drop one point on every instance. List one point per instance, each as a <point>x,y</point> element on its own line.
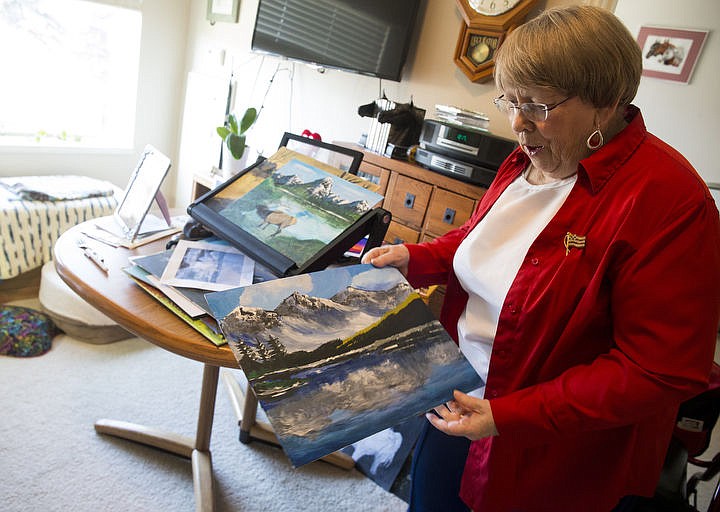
<point>279,219</point>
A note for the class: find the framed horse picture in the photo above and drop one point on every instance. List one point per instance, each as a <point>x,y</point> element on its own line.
<point>292,213</point>
<point>670,54</point>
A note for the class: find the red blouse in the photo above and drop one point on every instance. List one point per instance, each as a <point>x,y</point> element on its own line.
<point>609,325</point>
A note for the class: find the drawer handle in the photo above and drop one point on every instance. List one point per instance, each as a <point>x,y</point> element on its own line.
<point>398,240</point>
<point>409,200</point>
<point>449,216</point>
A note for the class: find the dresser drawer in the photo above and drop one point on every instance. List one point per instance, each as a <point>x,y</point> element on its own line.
<point>376,175</point>
<point>407,199</point>
<point>398,234</point>
<point>447,211</point>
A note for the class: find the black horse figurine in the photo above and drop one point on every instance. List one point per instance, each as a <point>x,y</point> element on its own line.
<point>405,119</point>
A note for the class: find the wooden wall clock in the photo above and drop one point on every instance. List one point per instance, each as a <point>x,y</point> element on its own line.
<point>485,25</point>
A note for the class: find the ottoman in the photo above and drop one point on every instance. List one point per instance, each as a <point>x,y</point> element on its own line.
<point>72,314</point>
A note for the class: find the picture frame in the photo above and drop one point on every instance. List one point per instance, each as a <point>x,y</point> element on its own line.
<point>223,10</point>
<point>293,213</point>
<point>340,157</point>
<point>670,53</point>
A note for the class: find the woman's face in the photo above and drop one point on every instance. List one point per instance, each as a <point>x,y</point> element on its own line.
<point>555,146</point>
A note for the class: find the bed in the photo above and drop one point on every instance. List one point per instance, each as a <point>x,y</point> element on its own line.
<point>36,210</point>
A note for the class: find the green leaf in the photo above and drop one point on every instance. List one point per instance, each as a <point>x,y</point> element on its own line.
<point>236,145</point>
<point>248,120</point>
<point>232,120</point>
<point>223,132</point>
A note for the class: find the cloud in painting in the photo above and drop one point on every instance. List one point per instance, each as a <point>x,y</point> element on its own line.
<point>377,279</point>
<point>271,293</point>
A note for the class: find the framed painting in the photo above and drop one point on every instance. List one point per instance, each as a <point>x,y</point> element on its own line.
<point>291,211</point>
<point>670,54</point>
<point>222,10</point>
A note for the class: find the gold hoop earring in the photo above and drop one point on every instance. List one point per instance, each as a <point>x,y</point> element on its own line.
<point>597,133</point>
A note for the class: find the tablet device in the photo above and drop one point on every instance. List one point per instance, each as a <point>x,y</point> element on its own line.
<point>141,191</point>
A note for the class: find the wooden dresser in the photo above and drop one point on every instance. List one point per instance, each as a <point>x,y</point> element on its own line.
<point>424,204</point>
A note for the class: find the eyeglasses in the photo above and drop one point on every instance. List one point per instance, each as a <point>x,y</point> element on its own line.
<point>535,112</point>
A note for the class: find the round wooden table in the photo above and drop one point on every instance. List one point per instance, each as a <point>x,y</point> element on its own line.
<point>117,295</point>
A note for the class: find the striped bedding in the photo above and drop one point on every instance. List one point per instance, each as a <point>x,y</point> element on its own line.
<point>29,229</point>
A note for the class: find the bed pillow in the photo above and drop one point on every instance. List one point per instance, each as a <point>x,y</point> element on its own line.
<point>25,332</point>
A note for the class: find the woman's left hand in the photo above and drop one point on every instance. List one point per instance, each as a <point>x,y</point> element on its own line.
<point>464,416</point>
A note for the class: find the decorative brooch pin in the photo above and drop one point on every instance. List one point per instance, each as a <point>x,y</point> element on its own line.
<point>572,240</point>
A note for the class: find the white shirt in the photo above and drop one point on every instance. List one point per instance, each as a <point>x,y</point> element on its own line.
<point>489,258</point>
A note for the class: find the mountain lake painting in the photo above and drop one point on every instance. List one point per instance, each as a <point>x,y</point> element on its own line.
<point>338,355</point>
<point>292,206</point>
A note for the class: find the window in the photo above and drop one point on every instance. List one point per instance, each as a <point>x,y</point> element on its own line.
<point>70,71</point>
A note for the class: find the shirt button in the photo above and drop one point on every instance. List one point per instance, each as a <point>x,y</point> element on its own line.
<point>493,393</point>
<point>534,261</point>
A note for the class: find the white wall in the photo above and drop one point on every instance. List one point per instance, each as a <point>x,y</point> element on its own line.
<point>162,61</point>
<point>327,103</point>
<point>685,116</point>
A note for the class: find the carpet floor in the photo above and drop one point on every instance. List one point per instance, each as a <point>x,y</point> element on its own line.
<point>52,459</point>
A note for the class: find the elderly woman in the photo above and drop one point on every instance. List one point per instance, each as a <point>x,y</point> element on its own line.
<point>585,289</point>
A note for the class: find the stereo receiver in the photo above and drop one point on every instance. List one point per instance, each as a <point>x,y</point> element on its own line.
<point>457,169</point>
<point>465,153</point>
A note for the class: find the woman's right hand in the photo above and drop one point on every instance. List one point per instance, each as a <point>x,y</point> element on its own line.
<point>396,256</point>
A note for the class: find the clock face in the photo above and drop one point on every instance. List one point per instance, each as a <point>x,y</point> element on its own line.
<point>492,7</point>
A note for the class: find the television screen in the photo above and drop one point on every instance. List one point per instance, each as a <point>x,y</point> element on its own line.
<point>370,37</point>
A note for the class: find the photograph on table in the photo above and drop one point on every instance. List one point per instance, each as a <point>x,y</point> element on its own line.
<point>207,266</point>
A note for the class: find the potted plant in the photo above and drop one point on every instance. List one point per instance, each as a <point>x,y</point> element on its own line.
<point>233,132</point>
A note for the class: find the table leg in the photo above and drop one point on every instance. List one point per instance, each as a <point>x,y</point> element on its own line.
<point>198,450</point>
<point>201,459</point>
<point>245,406</point>
<point>248,416</point>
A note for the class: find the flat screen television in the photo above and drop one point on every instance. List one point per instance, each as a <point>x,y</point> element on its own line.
<point>370,37</point>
